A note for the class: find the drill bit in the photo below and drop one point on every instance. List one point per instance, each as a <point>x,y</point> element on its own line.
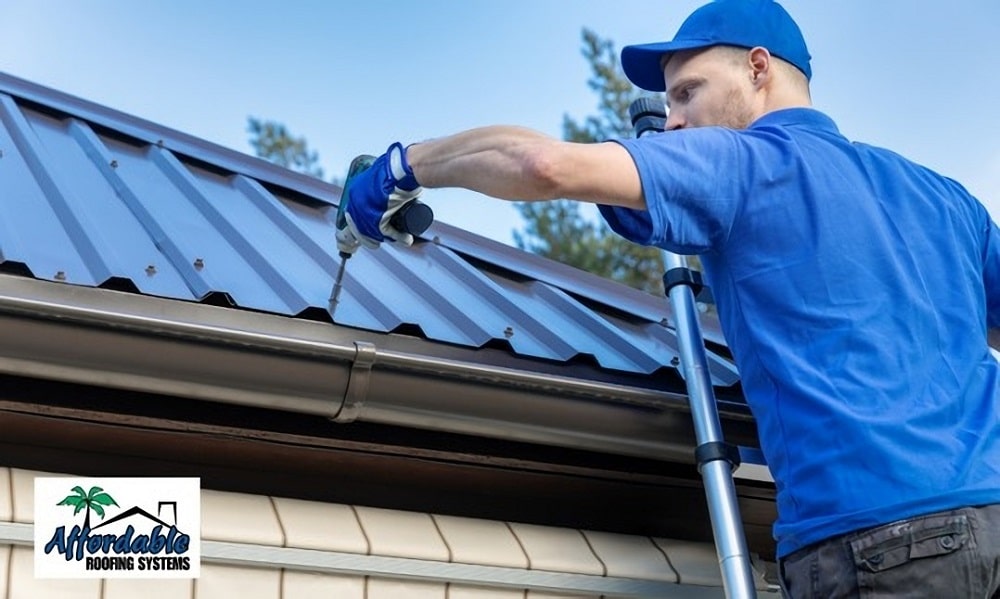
<point>338,284</point>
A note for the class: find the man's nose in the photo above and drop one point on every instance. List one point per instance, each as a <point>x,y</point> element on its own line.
<point>675,120</point>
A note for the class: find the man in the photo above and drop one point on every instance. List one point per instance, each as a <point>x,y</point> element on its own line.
<point>854,287</point>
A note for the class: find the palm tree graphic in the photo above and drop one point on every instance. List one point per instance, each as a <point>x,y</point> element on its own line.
<point>92,500</point>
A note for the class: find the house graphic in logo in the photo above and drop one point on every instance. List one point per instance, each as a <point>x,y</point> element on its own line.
<point>133,543</point>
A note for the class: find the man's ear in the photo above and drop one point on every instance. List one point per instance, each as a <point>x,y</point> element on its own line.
<point>759,61</point>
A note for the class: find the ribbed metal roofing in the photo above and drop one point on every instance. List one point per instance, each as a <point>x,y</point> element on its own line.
<point>97,198</point>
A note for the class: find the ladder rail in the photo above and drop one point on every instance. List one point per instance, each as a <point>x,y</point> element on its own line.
<point>715,463</point>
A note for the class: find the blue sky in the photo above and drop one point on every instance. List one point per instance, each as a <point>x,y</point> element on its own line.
<point>916,76</point>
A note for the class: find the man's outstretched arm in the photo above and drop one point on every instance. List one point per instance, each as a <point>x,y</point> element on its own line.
<point>509,163</point>
<point>515,163</point>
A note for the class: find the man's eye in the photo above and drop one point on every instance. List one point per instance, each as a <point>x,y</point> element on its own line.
<point>683,95</point>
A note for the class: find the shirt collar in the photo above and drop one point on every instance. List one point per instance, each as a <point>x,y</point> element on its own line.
<point>809,117</point>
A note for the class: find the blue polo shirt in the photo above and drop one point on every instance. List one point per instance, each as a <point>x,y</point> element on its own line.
<point>854,288</point>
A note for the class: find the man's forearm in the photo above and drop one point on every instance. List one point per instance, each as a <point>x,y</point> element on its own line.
<point>499,161</point>
<point>514,163</point>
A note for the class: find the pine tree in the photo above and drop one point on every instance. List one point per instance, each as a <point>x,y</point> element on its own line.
<point>274,142</point>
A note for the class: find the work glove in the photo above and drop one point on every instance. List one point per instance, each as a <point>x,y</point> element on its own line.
<point>373,197</point>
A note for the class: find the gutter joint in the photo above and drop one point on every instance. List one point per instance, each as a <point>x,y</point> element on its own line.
<point>358,383</point>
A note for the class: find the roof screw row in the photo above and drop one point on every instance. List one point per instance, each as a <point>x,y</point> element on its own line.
<point>150,270</point>
<point>199,263</point>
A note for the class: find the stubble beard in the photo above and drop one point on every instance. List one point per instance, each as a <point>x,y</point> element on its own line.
<point>736,112</point>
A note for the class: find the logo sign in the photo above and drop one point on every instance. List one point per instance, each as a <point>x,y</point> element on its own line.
<point>117,527</point>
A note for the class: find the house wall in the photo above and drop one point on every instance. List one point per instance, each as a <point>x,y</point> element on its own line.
<point>361,552</point>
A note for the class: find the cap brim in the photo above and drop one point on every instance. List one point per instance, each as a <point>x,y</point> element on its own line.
<point>641,62</point>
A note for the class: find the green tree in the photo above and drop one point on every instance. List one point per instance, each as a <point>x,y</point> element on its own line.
<point>90,500</point>
<point>274,142</point>
<point>559,230</point>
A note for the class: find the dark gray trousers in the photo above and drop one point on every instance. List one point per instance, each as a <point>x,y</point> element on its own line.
<point>946,555</point>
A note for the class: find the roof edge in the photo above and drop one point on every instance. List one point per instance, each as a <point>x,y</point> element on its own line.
<point>171,139</point>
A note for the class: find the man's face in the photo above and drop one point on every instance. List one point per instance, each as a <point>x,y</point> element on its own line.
<point>709,87</point>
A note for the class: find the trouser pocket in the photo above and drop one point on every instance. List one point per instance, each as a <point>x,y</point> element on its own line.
<point>929,556</point>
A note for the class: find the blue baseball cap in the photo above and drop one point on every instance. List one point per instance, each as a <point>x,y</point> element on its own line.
<point>741,23</point>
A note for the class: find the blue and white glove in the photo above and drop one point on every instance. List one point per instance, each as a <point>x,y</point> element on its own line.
<point>375,195</point>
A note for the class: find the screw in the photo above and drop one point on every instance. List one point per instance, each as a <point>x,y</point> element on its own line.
<point>61,275</point>
<point>114,164</point>
<point>675,361</point>
<point>508,332</point>
<point>159,143</point>
<point>199,263</point>
<point>150,270</point>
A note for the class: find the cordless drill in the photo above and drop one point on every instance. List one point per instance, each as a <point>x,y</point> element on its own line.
<point>413,217</point>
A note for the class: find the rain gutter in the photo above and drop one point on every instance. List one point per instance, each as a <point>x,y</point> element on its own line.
<point>120,340</point>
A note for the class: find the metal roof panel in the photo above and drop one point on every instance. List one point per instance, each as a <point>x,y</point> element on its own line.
<point>92,196</point>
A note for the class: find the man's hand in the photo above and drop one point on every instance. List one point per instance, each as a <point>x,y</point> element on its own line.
<point>373,197</point>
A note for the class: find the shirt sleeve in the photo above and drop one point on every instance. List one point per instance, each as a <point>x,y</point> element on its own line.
<point>691,180</point>
<point>991,274</point>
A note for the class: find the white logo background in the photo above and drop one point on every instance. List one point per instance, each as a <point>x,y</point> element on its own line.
<point>158,501</point>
